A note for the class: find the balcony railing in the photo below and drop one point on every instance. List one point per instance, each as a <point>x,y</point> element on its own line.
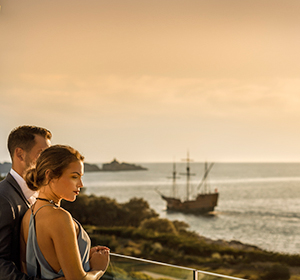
<point>130,268</point>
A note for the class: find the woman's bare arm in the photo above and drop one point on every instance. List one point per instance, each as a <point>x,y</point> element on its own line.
<point>64,237</point>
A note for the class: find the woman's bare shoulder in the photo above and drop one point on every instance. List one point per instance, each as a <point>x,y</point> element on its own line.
<point>59,214</point>
<point>62,226</point>
<point>54,216</point>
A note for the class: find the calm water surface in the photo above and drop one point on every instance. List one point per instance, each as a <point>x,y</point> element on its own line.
<point>259,204</point>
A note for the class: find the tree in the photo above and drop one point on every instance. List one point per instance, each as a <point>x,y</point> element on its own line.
<point>104,211</point>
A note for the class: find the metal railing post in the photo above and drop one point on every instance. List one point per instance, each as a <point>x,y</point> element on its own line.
<point>195,275</point>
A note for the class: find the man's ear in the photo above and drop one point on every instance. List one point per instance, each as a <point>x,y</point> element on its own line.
<point>20,154</point>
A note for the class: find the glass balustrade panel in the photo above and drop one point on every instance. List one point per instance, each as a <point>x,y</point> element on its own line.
<point>129,268</point>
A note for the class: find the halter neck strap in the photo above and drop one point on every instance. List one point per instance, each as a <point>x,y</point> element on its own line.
<point>50,204</point>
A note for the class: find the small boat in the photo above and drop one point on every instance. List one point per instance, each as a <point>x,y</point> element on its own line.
<point>205,200</point>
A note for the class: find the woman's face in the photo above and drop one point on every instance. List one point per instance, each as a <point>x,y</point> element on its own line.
<point>69,184</point>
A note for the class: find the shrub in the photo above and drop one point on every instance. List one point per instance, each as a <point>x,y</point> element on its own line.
<point>135,211</point>
<point>181,226</point>
<point>276,272</point>
<point>158,225</point>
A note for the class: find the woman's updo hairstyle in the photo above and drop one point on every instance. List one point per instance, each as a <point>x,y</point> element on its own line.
<point>56,159</point>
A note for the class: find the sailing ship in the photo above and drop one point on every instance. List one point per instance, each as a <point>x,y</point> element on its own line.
<point>205,200</point>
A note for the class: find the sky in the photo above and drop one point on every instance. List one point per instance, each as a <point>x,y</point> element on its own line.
<point>148,81</point>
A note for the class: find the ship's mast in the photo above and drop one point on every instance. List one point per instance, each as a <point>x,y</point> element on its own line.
<point>174,177</point>
<point>205,181</point>
<point>188,174</point>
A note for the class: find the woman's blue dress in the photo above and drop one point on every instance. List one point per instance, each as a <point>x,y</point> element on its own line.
<point>35,258</point>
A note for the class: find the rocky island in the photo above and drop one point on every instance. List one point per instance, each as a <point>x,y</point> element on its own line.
<point>88,167</point>
<point>117,166</point>
<point>113,166</point>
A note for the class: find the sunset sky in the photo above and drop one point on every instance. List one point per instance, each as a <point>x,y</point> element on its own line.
<point>148,80</point>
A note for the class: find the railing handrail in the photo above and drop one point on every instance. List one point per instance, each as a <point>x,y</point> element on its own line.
<point>176,266</point>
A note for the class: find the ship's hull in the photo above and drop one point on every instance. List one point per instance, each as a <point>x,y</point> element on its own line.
<point>204,203</point>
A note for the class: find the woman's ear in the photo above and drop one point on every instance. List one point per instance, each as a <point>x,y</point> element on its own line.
<point>48,175</point>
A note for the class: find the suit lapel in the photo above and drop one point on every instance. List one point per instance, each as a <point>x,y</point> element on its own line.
<point>18,189</point>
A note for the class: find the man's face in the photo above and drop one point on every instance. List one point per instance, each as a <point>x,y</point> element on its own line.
<point>40,144</point>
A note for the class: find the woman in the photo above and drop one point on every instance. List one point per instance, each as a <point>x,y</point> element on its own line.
<point>53,244</point>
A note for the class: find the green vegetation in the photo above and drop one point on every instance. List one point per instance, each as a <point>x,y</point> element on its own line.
<point>93,210</point>
<point>133,229</point>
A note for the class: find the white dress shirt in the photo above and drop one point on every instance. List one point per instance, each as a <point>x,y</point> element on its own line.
<point>28,193</point>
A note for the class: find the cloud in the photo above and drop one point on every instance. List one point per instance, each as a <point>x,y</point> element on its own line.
<point>154,75</point>
<point>157,97</point>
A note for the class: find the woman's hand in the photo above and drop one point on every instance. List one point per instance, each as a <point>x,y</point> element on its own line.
<point>99,258</point>
<point>97,248</point>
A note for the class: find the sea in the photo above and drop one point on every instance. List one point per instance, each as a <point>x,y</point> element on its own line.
<point>259,203</point>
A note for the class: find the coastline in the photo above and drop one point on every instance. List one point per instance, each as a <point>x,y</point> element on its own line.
<point>134,229</point>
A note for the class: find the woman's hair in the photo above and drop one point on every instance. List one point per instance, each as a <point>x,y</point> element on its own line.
<point>56,159</point>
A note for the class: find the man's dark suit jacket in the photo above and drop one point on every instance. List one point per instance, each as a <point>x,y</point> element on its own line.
<point>13,206</point>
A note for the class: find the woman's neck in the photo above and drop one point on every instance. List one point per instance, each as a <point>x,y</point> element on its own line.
<point>45,196</point>
<point>47,200</point>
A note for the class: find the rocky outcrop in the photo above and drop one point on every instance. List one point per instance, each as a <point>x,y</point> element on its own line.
<point>88,167</point>
<point>117,166</point>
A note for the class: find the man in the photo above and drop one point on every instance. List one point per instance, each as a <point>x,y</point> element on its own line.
<point>25,143</point>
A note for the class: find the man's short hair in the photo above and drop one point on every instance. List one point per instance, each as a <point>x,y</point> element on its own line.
<point>24,137</point>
